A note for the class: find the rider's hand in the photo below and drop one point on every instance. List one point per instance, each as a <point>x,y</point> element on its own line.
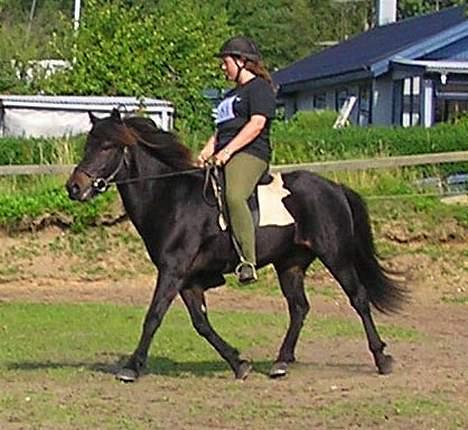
<point>203,157</point>
<point>201,161</point>
<point>223,156</point>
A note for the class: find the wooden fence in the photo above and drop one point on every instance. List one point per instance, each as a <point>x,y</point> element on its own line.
<point>325,166</point>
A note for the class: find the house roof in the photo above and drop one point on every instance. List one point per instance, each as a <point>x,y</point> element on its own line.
<point>360,55</point>
<point>440,66</point>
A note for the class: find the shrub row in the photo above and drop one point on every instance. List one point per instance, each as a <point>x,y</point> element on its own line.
<point>24,208</point>
<point>305,138</point>
<point>15,150</point>
<point>310,137</point>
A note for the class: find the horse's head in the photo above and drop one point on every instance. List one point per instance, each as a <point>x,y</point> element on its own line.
<point>103,157</point>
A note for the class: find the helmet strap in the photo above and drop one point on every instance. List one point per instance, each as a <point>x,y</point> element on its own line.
<point>239,69</point>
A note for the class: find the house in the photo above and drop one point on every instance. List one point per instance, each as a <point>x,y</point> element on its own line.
<point>410,72</point>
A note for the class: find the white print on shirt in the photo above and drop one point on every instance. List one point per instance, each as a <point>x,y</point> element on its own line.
<point>225,110</point>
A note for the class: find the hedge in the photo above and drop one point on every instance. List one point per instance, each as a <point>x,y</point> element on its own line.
<point>305,138</point>
<point>310,137</point>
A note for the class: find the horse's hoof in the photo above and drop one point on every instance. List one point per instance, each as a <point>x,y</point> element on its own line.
<point>127,375</point>
<point>279,370</point>
<point>243,371</point>
<point>385,366</point>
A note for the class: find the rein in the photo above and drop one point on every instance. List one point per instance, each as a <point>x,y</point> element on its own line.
<point>101,185</point>
<point>161,176</point>
<point>211,173</point>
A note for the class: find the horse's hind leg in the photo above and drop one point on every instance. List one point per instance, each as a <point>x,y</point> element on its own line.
<point>291,279</point>
<point>194,299</point>
<point>347,277</point>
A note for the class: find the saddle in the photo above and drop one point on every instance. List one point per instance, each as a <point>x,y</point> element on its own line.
<point>218,183</point>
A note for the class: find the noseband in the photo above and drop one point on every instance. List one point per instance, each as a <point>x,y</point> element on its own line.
<point>101,184</point>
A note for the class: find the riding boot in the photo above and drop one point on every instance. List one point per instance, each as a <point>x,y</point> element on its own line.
<point>246,272</point>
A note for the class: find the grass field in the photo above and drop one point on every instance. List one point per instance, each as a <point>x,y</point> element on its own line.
<point>57,362</point>
<point>72,305</point>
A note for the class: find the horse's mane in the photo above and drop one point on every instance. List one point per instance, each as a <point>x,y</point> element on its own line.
<point>165,145</point>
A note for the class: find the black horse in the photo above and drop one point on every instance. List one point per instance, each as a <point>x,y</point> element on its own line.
<point>162,194</point>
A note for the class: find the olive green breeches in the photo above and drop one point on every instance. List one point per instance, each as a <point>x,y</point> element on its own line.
<point>242,173</point>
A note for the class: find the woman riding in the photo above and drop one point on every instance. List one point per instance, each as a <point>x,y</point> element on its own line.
<point>241,142</point>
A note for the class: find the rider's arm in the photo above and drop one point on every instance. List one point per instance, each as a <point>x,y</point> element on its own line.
<point>247,133</point>
<point>208,149</point>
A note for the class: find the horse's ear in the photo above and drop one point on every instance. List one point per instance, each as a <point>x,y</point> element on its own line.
<point>93,118</point>
<point>115,115</point>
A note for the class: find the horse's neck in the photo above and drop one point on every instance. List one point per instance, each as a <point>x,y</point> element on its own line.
<point>139,197</point>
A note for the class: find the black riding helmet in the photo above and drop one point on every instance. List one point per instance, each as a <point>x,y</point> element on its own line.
<point>240,46</point>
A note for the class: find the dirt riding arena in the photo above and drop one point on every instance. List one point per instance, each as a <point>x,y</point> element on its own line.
<point>332,386</point>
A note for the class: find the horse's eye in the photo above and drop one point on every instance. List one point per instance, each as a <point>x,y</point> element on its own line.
<point>107,145</point>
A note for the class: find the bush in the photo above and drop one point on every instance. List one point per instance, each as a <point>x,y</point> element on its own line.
<point>50,198</point>
<point>16,150</point>
<point>310,137</point>
<point>130,50</point>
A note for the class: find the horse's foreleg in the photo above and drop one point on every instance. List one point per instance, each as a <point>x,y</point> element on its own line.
<point>292,286</point>
<point>194,299</point>
<point>166,290</point>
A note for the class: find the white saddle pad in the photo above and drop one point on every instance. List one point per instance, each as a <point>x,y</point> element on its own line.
<point>270,200</point>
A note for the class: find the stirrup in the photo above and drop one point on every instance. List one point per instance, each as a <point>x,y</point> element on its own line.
<point>245,272</point>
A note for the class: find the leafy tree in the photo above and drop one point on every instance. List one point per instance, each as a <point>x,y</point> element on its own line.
<point>276,26</point>
<point>131,50</point>
<point>23,40</point>
<point>408,8</point>
<point>289,30</point>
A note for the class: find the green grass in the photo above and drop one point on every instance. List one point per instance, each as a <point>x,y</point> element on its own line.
<point>387,410</point>
<point>36,407</point>
<point>456,299</point>
<point>374,412</point>
<point>21,203</point>
<point>63,338</point>
<point>57,361</point>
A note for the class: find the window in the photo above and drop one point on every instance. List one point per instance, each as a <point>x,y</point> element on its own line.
<point>451,101</point>
<point>340,98</point>
<point>364,105</point>
<point>320,101</point>
<point>411,102</point>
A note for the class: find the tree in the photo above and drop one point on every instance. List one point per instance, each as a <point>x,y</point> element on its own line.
<point>409,8</point>
<point>289,30</point>
<point>132,50</point>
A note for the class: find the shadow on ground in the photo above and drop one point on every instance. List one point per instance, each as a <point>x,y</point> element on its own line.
<point>164,366</point>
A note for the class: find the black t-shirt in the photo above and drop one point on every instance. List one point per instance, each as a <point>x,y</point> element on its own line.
<point>255,97</point>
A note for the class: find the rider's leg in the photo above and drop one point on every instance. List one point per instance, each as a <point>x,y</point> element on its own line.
<point>243,171</point>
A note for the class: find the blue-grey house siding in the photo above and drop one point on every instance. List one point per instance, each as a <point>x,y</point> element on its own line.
<point>412,72</point>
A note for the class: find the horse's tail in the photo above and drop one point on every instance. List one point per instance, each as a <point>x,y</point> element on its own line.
<point>385,293</point>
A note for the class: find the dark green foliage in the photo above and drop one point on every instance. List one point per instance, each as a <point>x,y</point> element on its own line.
<point>289,30</point>
<point>50,199</point>
<point>409,8</point>
<point>307,137</point>
<point>165,52</point>
<point>15,150</point>
<point>310,137</point>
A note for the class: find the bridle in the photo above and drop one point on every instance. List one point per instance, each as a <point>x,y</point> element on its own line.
<point>101,184</point>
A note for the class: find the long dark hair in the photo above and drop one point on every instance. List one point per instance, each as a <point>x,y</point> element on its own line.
<point>258,68</point>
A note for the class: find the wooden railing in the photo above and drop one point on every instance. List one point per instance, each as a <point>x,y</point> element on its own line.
<point>322,166</point>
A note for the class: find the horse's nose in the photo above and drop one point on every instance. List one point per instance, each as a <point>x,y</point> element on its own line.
<point>73,190</point>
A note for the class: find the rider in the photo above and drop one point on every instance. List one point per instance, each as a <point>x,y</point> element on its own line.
<point>242,140</point>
